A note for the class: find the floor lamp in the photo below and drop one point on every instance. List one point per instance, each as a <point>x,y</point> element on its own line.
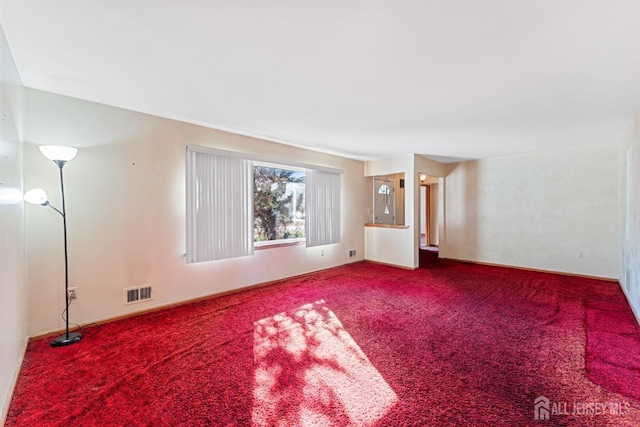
<point>60,156</point>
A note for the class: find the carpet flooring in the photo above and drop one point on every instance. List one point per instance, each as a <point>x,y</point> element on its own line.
<point>358,345</point>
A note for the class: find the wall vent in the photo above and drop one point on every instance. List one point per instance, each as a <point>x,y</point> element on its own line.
<point>137,294</point>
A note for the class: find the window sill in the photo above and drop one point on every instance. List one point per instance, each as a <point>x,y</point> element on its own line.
<point>278,244</point>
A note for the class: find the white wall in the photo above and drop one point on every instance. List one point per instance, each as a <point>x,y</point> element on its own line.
<point>538,211</point>
<point>13,308</point>
<point>432,182</point>
<point>423,210</point>
<point>434,208</point>
<point>399,201</point>
<point>630,213</point>
<point>126,212</point>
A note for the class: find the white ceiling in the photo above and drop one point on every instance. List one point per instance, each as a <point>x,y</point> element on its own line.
<point>364,79</point>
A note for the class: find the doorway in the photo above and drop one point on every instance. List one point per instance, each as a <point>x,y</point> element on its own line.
<point>429,219</point>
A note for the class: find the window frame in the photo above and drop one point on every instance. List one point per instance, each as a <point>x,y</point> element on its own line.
<point>278,243</point>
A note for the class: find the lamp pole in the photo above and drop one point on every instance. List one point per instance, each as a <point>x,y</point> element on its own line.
<point>68,337</point>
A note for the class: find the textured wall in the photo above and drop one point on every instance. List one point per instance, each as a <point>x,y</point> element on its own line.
<point>554,211</point>
<point>630,212</point>
<point>13,309</point>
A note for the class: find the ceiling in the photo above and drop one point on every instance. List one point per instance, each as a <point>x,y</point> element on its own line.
<point>454,79</point>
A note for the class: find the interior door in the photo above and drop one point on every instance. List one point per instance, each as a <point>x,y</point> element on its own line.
<point>384,201</point>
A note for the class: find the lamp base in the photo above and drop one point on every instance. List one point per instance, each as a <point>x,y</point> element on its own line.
<point>73,337</point>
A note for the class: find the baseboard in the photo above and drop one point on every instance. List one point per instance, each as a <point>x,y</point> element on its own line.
<point>538,270</point>
<point>14,382</point>
<point>179,303</point>
<point>404,267</point>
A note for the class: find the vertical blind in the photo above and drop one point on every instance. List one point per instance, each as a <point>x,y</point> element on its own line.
<point>220,209</point>
<point>219,206</point>
<point>322,200</point>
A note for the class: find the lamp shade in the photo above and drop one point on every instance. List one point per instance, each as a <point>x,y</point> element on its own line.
<point>58,152</point>
<point>37,196</point>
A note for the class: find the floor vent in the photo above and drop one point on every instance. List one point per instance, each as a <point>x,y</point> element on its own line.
<point>132,295</point>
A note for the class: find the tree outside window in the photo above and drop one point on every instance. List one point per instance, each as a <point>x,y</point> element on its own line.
<point>278,197</point>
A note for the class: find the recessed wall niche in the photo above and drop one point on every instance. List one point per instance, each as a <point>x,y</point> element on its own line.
<point>388,199</point>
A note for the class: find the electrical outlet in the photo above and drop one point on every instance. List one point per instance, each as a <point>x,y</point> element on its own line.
<point>73,293</point>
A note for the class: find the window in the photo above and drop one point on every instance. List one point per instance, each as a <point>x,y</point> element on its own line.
<point>278,199</point>
<point>237,201</point>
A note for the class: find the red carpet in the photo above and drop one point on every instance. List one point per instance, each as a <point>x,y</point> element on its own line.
<point>360,345</point>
